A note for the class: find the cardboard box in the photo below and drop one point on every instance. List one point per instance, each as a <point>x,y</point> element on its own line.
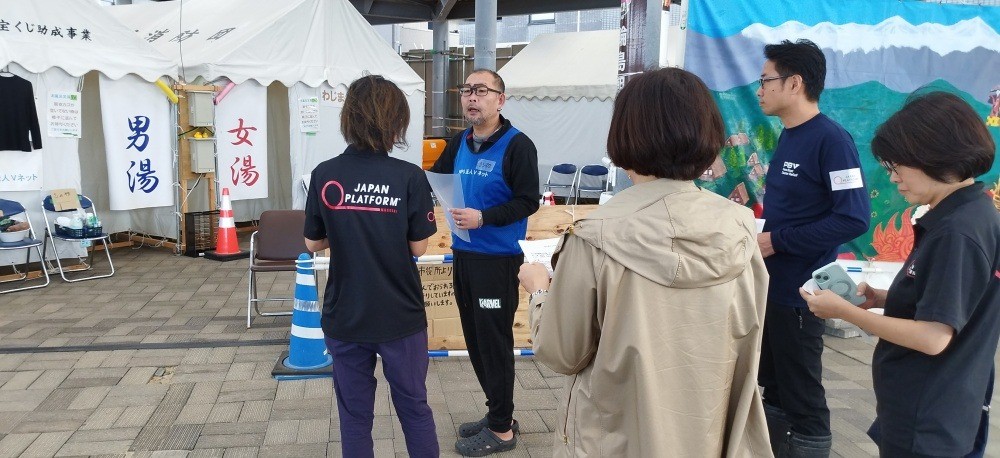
<point>448,326</point>
<point>439,293</point>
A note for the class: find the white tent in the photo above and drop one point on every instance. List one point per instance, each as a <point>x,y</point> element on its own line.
<point>52,44</point>
<point>315,48</point>
<point>560,92</point>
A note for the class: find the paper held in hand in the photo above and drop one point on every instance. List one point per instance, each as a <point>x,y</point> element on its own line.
<point>448,189</point>
<point>810,286</point>
<point>539,251</point>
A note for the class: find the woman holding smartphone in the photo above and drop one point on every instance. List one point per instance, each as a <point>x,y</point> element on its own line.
<point>938,337</point>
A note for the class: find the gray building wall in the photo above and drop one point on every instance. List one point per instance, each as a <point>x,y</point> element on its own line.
<point>518,29</point>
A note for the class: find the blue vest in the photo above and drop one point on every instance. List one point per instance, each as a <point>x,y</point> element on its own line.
<point>483,187</point>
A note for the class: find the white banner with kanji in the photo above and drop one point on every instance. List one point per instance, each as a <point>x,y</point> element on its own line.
<point>137,130</point>
<point>241,141</point>
<point>20,170</point>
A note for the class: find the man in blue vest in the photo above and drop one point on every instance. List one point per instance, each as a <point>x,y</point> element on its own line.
<point>498,167</point>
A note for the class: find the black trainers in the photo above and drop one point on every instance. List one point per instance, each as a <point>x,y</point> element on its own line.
<point>484,443</point>
<point>472,428</point>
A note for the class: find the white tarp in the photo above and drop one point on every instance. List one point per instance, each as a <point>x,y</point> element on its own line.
<point>60,163</point>
<point>307,41</point>
<point>77,36</point>
<point>137,138</point>
<point>309,46</point>
<point>560,93</point>
<point>52,44</point>
<point>565,66</point>
<point>241,141</point>
<point>308,150</point>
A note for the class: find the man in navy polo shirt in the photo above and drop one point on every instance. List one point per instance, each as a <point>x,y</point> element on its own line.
<point>498,168</point>
<point>816,200</point>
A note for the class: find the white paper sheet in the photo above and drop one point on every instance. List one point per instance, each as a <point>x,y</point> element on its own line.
<point>448,189</point>
<point>760,225</point>
<point>539,251</point>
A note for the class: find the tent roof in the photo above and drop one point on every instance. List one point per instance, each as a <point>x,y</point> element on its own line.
<point>565,66</point>
<point>308,41</point>
<point>79,36</point>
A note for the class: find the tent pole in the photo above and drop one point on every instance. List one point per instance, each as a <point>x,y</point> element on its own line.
<point>179,191</point>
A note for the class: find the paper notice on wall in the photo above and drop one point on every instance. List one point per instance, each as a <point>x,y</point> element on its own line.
<point>63,114</point>
<point>309,114</point>
<point>20,171</point>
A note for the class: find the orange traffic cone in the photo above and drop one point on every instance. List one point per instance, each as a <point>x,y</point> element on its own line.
<point>227,248</point>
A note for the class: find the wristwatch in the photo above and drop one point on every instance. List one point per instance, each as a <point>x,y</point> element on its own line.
<point>531,297</point>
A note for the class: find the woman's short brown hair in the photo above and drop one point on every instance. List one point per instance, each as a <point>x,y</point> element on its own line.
<point>939,134</point>
<point>375,114</point>
<point>665,124</point>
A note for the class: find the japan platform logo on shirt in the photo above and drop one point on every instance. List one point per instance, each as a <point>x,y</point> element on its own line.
<point>789,168</point>
<point>911,270</point>
<point>846,179</point>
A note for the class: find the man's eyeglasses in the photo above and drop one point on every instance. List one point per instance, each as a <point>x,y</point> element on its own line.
<point>761,81</point>
<point>482,91</point>
<point>890,168</point>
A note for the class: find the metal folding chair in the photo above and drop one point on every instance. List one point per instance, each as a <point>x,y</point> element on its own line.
<point>597,180</point>
<point>274,247</point>
<point>71,235</point>
<point>9,209</point>
<point>565,178</point>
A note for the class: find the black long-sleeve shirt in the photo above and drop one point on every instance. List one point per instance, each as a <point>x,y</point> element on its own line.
<point>18,116</point>
<point>520,172</point>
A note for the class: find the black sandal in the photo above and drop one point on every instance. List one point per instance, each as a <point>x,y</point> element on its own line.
<point>474,427</point>
<point>484,443</point>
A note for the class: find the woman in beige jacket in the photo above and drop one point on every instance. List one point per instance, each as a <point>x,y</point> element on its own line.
<point>656,305</point>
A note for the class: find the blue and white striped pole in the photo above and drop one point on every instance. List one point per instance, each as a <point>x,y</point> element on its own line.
<point>453,353</point>
<point>306,348</point>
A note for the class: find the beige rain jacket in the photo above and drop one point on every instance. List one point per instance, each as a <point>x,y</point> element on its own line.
<point>655,313</point>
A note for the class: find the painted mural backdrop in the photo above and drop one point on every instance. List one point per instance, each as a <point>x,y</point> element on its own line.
<point>878,52</point>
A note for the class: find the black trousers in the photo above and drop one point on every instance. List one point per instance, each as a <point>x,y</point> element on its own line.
<point>486,293</point>
<point>791,368</point>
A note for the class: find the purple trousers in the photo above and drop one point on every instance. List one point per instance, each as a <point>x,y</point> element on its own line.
<point>404,362</point>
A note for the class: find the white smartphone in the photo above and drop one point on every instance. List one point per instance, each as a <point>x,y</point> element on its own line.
<point>833,277</point>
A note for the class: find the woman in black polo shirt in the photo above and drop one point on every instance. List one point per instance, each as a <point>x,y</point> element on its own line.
<point>374,212</point>
<point>939,334</point>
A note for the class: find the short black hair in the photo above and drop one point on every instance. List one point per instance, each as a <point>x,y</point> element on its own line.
<point>496,78</point>
<point>801,58</point>
<point>375,115</point>
<point>939,134</point>
<point>665,124</point>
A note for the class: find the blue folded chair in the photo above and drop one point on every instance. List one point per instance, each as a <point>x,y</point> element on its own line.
<point>16,211</point>
<point>75,236</point>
